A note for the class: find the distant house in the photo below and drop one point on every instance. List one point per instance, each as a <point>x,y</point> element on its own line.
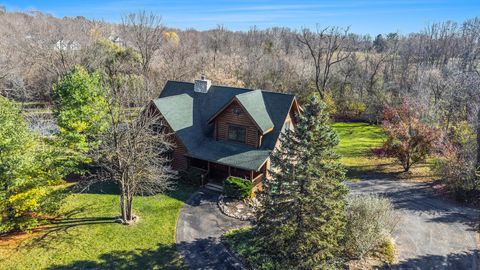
<point>225,131</point>
<point>66,45</point>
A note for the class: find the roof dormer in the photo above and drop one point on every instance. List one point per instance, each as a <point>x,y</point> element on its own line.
<point>253,104</point>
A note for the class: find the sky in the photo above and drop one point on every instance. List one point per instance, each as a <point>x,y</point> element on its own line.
<point>363,17</point>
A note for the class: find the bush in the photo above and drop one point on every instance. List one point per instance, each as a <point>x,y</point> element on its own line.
<point>387,250</point>
<point>370,219</point>
<point>456,166</point>
<point>30,168</point>
<point>192,176</point>
<point>238,188</point>
<point>459,177</point>
<point>242,242</point>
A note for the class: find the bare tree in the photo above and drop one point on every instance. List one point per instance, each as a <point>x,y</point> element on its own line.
<point>217,39</point>
<point>133,154</point>
<point>327,47</point>
<point>145,31</point>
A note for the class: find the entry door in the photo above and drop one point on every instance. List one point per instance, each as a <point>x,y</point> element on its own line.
<point>218,172</point>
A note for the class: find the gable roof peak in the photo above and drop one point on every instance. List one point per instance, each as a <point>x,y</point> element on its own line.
<point>254,103</point>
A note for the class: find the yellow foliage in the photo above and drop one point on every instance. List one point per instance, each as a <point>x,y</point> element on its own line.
<point>171,36</point>
<point>80,126</point>
<point>27,201</point>
<point>331,106</point>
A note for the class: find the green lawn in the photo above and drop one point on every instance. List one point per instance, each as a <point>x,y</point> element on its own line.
<point>356,142</point>
<point>87,237</point>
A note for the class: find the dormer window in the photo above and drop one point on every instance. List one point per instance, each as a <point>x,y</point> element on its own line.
<point>236,133</point>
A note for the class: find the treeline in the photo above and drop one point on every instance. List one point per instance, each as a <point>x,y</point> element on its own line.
<point>37,49</point>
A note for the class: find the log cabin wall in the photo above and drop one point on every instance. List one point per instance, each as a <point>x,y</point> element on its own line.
<point>178,159</point>
<point>235,115</point>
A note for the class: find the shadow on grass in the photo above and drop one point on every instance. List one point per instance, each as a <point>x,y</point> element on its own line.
<point>180,191</point>
<point>372,172</point>
<point>104,187</point>
<point>58,229</point>
<point>453,261</point>
<point>163,257</point>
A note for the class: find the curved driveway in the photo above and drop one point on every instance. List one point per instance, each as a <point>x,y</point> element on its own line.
<point>431,233</point>
<point>199,228</point>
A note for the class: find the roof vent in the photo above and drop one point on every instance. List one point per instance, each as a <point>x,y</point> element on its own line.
<point>202,85</point>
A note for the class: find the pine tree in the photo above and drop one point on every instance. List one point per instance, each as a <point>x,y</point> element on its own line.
<point>301,223</point>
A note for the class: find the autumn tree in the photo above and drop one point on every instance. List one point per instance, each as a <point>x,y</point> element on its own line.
<point>301,223</point>
<point>409,139</point>
<point>29,167</point>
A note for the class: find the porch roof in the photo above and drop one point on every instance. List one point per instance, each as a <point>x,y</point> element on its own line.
<point>234,155</point>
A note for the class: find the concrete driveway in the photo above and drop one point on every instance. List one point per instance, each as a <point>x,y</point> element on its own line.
<point>432,233</point>
<point>199,228</point>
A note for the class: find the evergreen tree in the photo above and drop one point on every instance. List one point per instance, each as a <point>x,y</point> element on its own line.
<point>301,223</point>
<point>80,111</point>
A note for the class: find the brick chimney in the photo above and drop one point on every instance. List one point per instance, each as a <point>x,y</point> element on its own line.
<point>202,85</point>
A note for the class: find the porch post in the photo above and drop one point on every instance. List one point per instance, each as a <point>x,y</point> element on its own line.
<point>251,175</point>
<point>229,171</point>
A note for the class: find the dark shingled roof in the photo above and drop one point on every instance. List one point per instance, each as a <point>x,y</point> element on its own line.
<point>254,103</point>
<point>188,112</point>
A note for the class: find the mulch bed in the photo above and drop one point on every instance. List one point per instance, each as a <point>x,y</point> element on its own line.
<point>235,208</point>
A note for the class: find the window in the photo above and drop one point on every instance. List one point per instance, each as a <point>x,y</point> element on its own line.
<point>236,133</point>
<point>237,111</point>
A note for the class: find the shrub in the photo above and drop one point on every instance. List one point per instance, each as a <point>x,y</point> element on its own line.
<point>191,176</point>
<point>238,188</point>
<point>456,166</point>
<point>30,168</point>
<point>350,109</point>
<point>243,242</point>
<point>458,174</point>
<point>387,250</point>
<point>370,219</point>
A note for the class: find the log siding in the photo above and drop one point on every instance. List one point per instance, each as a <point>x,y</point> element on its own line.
<point>235,115</point>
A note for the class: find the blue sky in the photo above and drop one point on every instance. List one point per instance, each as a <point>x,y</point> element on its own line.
<point>364,17</point>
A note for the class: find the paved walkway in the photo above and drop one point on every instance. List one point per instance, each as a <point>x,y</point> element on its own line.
<point>432,233</point>
<point>199,228</point>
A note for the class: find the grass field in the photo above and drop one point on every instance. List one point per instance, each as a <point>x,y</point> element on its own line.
<point>87,237</point>
<point>356,142</point>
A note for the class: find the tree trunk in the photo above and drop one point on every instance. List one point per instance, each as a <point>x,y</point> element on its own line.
<point>123,206</point>
<point>129,208</point>
<point>478,139</point>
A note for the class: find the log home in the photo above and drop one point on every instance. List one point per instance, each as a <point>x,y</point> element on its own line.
<point>226,131</point>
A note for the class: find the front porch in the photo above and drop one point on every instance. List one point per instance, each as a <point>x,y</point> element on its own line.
<point>217,173</point>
